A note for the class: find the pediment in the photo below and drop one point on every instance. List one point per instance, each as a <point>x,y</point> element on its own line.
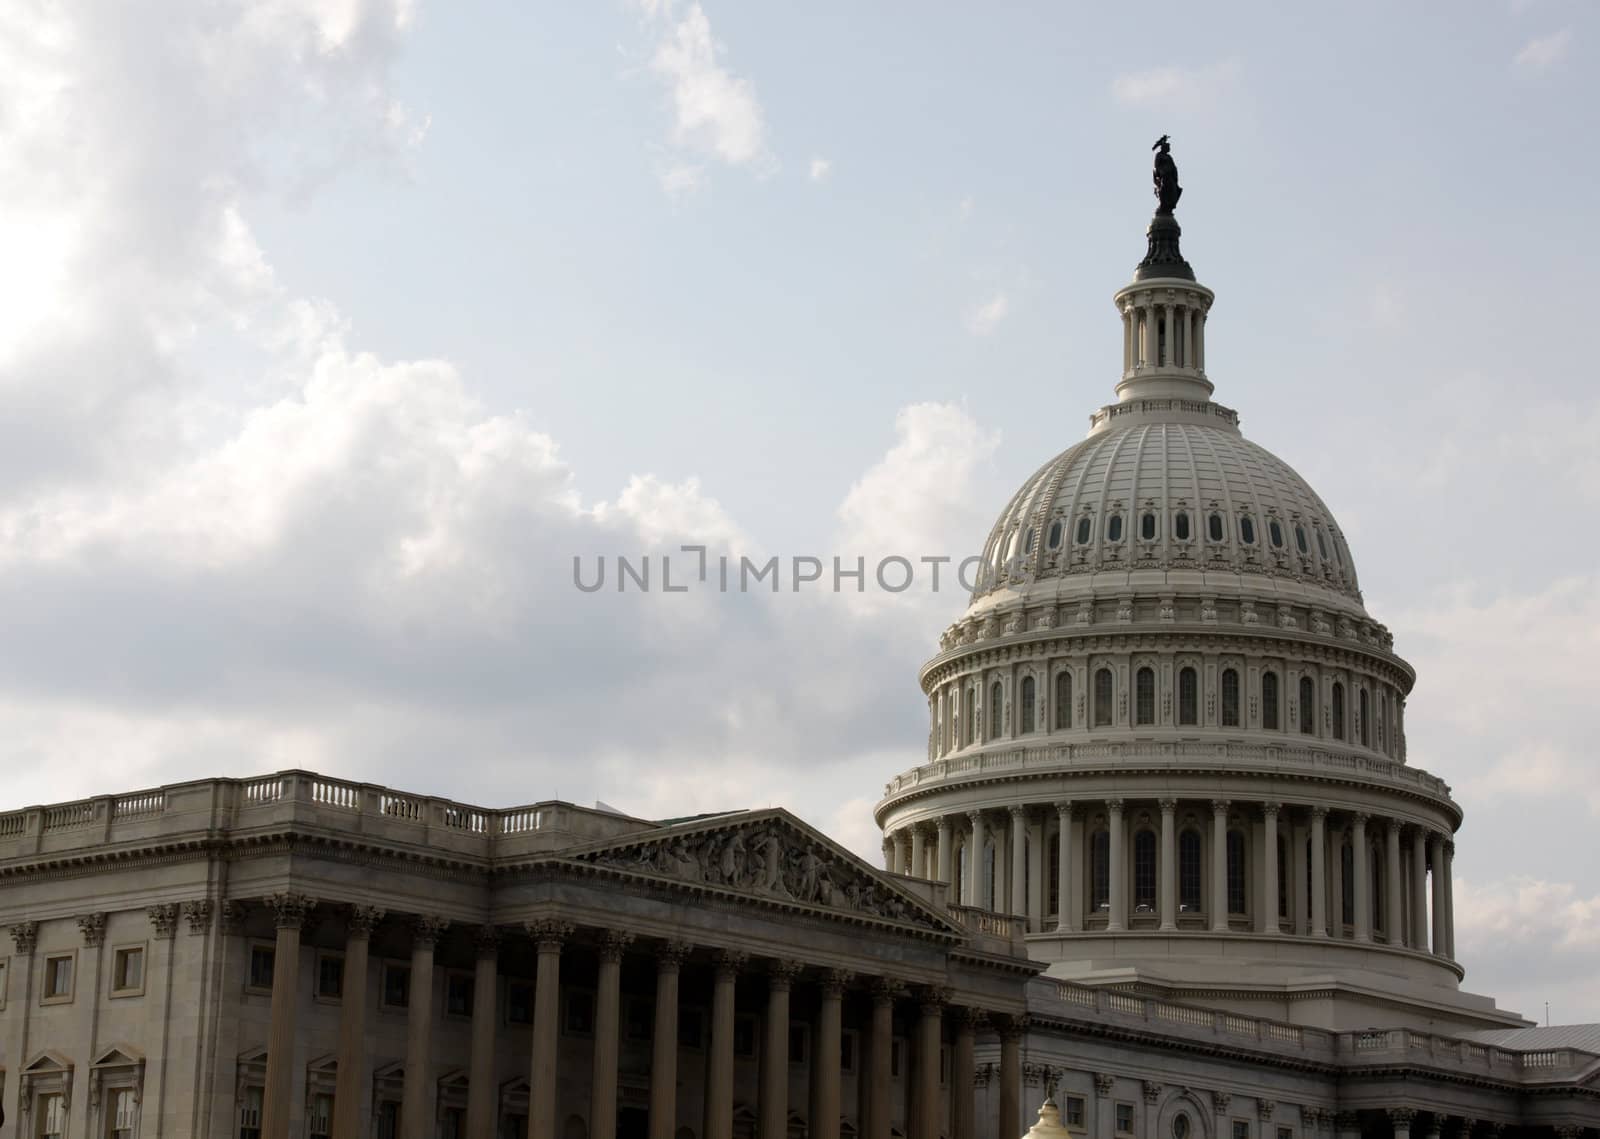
<point>48,1061</point>
<point>119,1056</point>
<point>767,855</point>
<point>454,1078</point>
<point>328,1064</point>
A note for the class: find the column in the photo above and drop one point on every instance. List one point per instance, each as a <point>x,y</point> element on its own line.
<point>289,912</point>
<point>1269,866</point>
<point>881,1041</point>
<point>829,1060</point>
<point>1419,889</point>
<point>1319,874</point>
<point>1219,865</point>
<point>719,1067</point>
<point>946,851</point>
<point>1336,849</point>
<point>1118,869</point>
<point>1169,864</point>
<point>1449,900</point>
<point>919,852</point>
<point>1436,857</point>
<point>1064,869</point>
<point>774,1119</point>
<point>1127,341</point>
<point>963,1098</point>
<point>1188,338</point>
<point>1011,1077</point>
<point>347,1091</point>
<point>1200,342</point>
<point>902,853</point>
<point>670,956</point>
<point>930,1037</point>
<point>1392,919</point>
<point>974,895</point>
<point>483,1092</point>
<point>607,1027</point>
<point>1149,312</point>
<point>1401,1118</point>
<point>1362,873</point>
<point>416,1100</point>
<point>1019,861</point>
<point>548,935</point>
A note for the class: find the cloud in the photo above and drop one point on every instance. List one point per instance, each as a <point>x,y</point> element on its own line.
<point>983,318</point>
<point>1527,941</point>
<point>715,114</point>
<point>1177,89</point>
<point>1544,51</point>
<point>820,169</point>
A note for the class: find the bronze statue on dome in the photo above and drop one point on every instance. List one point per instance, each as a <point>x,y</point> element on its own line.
<point>1165,176</point>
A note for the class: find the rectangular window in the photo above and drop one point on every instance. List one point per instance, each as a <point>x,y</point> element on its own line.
<point>691,1027</point>
<point>261,959</point>
<point>388,1120</point>
<point>513,1126</point>
<point>330,976</point>
<point>519,1003</point>
<point>458,994</point>
<point>127,970</point>
<point>319,1117</point>
<point>580,1012</point>
<point>1241,1129</point>
<point>1074,1112</point>
<point>52,1116</point>
<point>250,1114</point>
<point>452,1123</point>
<point>58,978</point>
<point>396,985</point>
<point>642,1019</point>
<point>124,1114</point>
<point>1124,1119</point>
<point>744,1037</point>
<point>1286,1133</point>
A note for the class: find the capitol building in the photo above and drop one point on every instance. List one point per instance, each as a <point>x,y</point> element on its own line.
<point>1166,873</point>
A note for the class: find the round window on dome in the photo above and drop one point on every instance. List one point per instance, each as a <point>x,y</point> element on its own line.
<point>1114,528</point>
<point>1147,527</point>
<point>1180,526</point>
<point>1055,534</point>
<point>1247,530</point>
<point>1083,531</point>
<point>1300,539</point>
<point>1214,526</point>
<point>1275,532</point>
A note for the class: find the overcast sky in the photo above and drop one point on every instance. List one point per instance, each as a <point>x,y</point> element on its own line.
<point>331,332</point>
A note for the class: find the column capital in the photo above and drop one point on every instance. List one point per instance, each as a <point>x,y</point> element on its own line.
<point>486,938</point>
<point>363,920</point>
<point>782,973</point>
<point>886,989</point>
<point>1360,819</point>
<point>1568,1131</point>
<point>1017,813</point>
<point>973,1020</point>
<point>289,909</point>
<point>427,928</point>
<point>1152,1090</point>
<point>1402,1116</point>
<point>1449,848</point>
<point>729,962</point>
<point>197,912</point>
<point>1221,806</point>
<point>163,920</point>
<point>933,999</point>
<point>1168,806</point>
<point>1395,826</point>
<point>231,915</point>
<point>1220,1101</point>
<point>1114,805</point>
<point>834,982</point>
<point>1103,1084</point>
<point>670,955</point>
<point>1265,1108</point>
<point>1015,1027</point>
<point>25,936</point>
<point>93,928</point>
<point>613,944</point>
<point>1065,807</point>
<point>549,934</point>
<point>1319,814</point>
<point>975,817</point>
<point>943,825</point>
<point>1271,809</point>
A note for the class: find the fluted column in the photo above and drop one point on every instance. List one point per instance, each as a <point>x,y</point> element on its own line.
<point>919,851</point>
<point>1019,861</point>
<point>946,850</point>
<point>1436,854</point>
<point>483,1093</point>
<point>289,911</point>
<point>719,1068</point>
<point>930,1037</point>
<point>1116,864</point>
<point>829,1062</point>
<point>548,936</point>
<point>1169,864</point>
<point>1219,865</point>
<point>974,896</point>
<point>1449,899</point>
<point>1269,866</point>
<point>1392,920</point>
<point>416,1102</point>
<point>350,1077</point>
<point>963,1097</point>
<point>1419,889</point>
<point>1011,1077</point>
<point>670,956</point>
<point>1336,849</point>
<point>884,992</point>
<point>1065,919</point>
<point>1319,872</point>
<point>1362,873</point>
<point>774,1119</point>
<point>607,1026</point>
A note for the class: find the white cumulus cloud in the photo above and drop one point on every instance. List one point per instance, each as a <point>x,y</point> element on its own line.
<point>1544,51</point>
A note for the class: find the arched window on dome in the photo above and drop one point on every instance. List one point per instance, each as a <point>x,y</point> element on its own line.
<point>1180,526</point>
<point>1144,696</point>
<point>1300,539</point>
<point>1063,700</point>
<point>997,696</point>
<point>1247,530</point>
<point>1055,535</point>
<point>1275,532</point>
<point>1027,543</point>
<point>1269,701</point>
<point>1147,527</point>
<point>1028,698</point>
<point>1103,685</point>
<point>1308,707</point>
<point>1100,870</point>
<point>1189,871</point>
<point>1364,716</point>
<point>1188,696</point>
<point>1230,698</point>
<point>969,718</point>
<point>1144,871</point>
<point>1236,873</point>
<point>1083,530</point>
<point>1214,524</point>
<point>1283,877</point>
<point>1338,711</point>
<point>1114,528</point>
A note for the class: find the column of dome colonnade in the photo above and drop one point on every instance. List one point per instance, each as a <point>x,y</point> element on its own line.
<point>1164,863</point>
<point>887,1008</point>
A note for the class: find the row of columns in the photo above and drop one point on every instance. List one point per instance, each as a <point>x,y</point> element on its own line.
<point>1141,340</point>
<point>550,936</point>
<point>908,851</point>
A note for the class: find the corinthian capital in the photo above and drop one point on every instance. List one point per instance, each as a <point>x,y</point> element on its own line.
<point>290,910</point>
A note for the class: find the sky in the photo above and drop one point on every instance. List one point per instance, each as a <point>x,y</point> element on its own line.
<point>331,333</point>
